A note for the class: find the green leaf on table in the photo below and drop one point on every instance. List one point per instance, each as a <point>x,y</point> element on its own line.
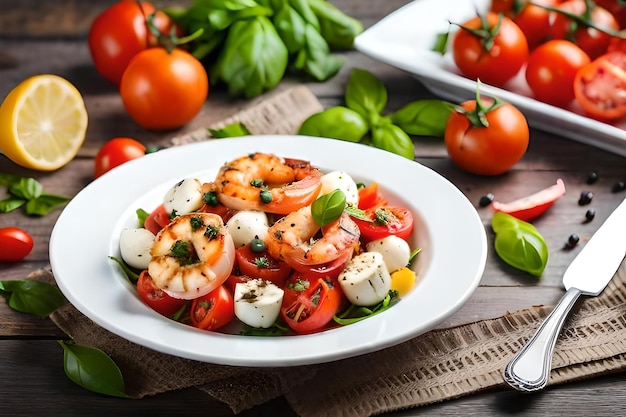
<point>33,297</point>
<point>336,122</point>
<point>44,204</point>
<point>235,129</point>
<point>426,117</point>
<point>391,138</point>
<point>11,203</point>
<point>328,208</point>
<point>92,369</point>
<point>27,191</point>
<point>365,94</point>
<point>26,188</point>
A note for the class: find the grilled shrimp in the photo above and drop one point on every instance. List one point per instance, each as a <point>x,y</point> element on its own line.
<point>192,255</point>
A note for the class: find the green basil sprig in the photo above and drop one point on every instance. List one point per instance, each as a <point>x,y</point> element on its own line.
<point>28,192</point>
<point>33,297</point>
<point>92,369</point>
<point>364,113</point>
<point>232,130</point>
<point>328,208</point>
<point>519,244</point>
<point>356,313</point>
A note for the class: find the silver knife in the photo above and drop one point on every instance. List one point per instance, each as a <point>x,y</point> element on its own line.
<point>588,274</point>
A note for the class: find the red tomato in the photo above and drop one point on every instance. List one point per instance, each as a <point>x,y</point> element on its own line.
<point>119,33</point>
<point>590,40</point>
<point>115,152</point>
<point>551,70</point>
<point>164,90</point>
<point>532,19</point>
<point>309,303</point>
<point>157,220</point>
<point>385,221</point>
<point>532,206</point>
<point>599,87</point>
<point>369,197</point>
<point>15,244</point>
<point>155,297</point>
<point>490,149</point>
<point>213,310</point>
<point>495,64</point>
<point>261,265</point>
<point>616,8</point>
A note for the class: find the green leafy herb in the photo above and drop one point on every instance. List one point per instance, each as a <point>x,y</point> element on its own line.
<point>356,313</point>
<point>262,262</point>
<point>211,232</point>
<point>211,198</point>
<point>275,329</point>
<point>28,192</point>
<point>365,94</point>
<point>142,215</point>
<point>337,122</point>
<point>183,252</point>
<point>392,138</point>
<point>427,117</point>
<point>328,208</point>
<point>357,213</point>
<point>33,297</point>
<point>196,223</point>
<point>92,369</point>
<point>232,130</point>
<point>128,272</point>
<point>519,244</point>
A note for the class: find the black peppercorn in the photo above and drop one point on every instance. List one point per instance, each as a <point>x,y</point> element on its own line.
<point>590,214</point>
<point>592,177</point>
<point>618,186</point>
<point>585,198</point>
<point>486,200</point>
<point>572,240</point>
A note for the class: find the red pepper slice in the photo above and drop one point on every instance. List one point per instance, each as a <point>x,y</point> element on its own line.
<point>534,205</point>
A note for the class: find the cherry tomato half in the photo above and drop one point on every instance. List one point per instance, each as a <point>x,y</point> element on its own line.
<point>119,33</point>
<point>494,59</point>
<point>369,197</point>
<point>15,244</point>
<point>551,70</point>
<point>261,265</point>
<point>598,86</point>
<point>164,90</point>
<point>213,310</point>
<point>534,205</point>
<point>309,303</point>
<point>155,297</point>
<point>386,221</point>
<point>115,152</point>
<point>157,220</point>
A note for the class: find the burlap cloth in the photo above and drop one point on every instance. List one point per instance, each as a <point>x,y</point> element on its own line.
<point>436,366</point>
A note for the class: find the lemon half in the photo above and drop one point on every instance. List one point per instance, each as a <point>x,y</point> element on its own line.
<point>43,122</point>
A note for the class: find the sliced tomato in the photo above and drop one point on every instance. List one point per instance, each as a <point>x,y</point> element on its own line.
<point>157,220</point>
<point>599,86</point>
<point>534,205</point>
<point>155,297</point>
<point>261,265</point>
<point>330,270</point>
<point>290,198</point>
<point>309,303</point>
<point>386,221</point>
<point>369,197</point>
<point>213,310</point>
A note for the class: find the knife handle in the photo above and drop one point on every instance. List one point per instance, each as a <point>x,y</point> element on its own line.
<point>529,369</point>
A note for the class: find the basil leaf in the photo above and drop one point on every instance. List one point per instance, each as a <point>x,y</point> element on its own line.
<point>232,130</point>
<point>328,208</point>
<point>33,297</point>
<point>357,213</point>
<point>142,215</point>
<point>8,179</point>
<point>11,203</point>
<point>92,369</point>
<point>365,94</point>
<point>427,117</point>
<point>291,27</point>
<point>338,29</point>
<point>391,138</point>
<point>519,244</point>
<point>27,188</point>
<point>356,313</point>
<point>315,58</point>
<point>337,123</point>
<point>43,204</point>
<point>128,272</point>
<point>304,10</point>
<point>441,43</point>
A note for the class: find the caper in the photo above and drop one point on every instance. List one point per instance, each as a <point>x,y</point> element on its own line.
<point>257,245</point>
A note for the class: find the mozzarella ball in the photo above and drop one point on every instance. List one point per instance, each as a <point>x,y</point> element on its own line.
<point>258,302</point>
<point>395,250</point>
<point>184,197</point>
<point>365,280</point>
<point>135,247</point>
<point>340,180</point>
<point>247,225</point>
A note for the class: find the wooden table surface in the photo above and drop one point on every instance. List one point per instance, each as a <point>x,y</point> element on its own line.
<point>50,37</point>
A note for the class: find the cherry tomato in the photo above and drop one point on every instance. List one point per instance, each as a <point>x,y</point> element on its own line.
<point>119,33</point>
<point>158,300</point>
<point>531,17</point>
<point>616,8</point>
<point>385,221</point>
<point>261,265</point>
<point>369,197</point>
<point>116,152</point>
<point>309,303</point>
<point>534,205</point>
<point>15,244</point>
<point>164,90</point>
<point>551,70</point>
<point>493,58</point>
<point>589,39</point>
<point>598,87</point>
<point>213,310</point>
<point>490,149</point>
<point>157,220</point>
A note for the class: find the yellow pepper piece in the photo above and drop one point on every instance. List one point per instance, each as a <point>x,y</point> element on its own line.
<point>402,280</point>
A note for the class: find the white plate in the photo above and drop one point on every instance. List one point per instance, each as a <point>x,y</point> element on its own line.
<point>405,39</point>
<point>448,229</point>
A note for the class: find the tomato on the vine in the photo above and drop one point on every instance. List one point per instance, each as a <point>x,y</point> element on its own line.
<point>385,221</point>
<point>164,89</point>
<point>598,86</point>
<point>119,33</point>
<point>533,18</point>
<point>213,310</point>
<point>551,70</point>
<point>15,244</point>
<point>491,48</point>
<point>591,40</point>
<point>486,140</point>
<point>156,298</point>
<point>116,152</point>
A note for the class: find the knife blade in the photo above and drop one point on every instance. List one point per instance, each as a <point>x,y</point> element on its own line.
<point>588,274</point>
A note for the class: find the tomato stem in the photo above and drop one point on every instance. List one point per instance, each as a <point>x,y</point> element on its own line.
<point>478,116</point>
<point>487,33</point>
